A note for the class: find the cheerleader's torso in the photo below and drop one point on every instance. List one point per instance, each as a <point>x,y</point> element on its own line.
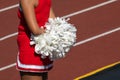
<point>27,55</point>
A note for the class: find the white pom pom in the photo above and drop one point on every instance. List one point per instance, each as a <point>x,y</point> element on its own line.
<point>32,42</point>
<point>58,39</point>
<point>67,49</point>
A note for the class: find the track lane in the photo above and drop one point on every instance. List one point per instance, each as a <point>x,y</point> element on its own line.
<point>9,74</point>
<point>4,3</point>
<point>56,72</point>
<point>14,43</point>
<point>9,22</point>
<point>8,51</point>
<point>73,6</point>
<point>97,21</point>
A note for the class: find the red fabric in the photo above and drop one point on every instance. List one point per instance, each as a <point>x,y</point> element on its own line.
<point>26,54</point>
<point>33,70</point>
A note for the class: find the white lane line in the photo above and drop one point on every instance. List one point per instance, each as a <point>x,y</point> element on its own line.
<point>8,8</point>
<point>102,4</point>
<point>8,36</point>
<point>79,43</point>
<point>69,15</point>
<point>8,66</point>
<point>97,36</point>
<point>90,8</point>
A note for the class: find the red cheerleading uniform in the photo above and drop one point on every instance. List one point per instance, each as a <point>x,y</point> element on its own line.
<point>27,59</point>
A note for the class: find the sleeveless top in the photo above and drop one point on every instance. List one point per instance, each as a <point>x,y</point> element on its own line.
<point>41,13</point>
<point>27,60</point>
<point>24,34</point>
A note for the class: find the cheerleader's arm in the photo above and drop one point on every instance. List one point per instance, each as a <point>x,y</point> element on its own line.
<point>52,14</point>
<point>28,7</point>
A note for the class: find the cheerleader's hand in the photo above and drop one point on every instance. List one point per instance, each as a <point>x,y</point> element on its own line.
<point>34,38</point>
<point>42,30</point>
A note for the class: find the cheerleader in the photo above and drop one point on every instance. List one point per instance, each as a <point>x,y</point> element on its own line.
<point>33,15</point>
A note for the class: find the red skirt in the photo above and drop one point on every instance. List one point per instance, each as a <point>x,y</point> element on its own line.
<point>27,59</point>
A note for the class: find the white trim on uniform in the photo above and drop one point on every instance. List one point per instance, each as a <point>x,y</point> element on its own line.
<point>33,66</point>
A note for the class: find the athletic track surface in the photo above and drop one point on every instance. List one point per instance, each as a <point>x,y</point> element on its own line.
<point>98,37</point>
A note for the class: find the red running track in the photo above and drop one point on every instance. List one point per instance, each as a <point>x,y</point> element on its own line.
<point>84,57</point>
